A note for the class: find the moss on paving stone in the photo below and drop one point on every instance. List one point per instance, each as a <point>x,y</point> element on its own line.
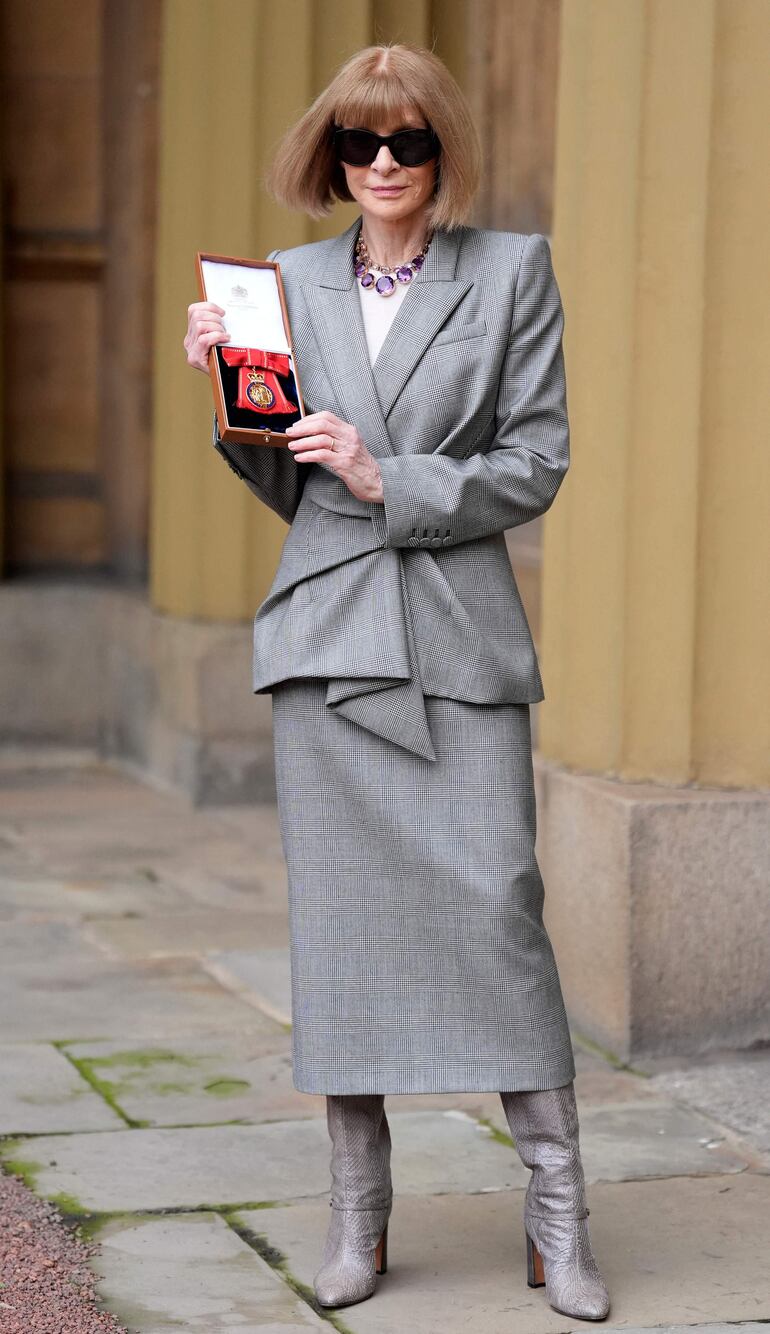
<point>610,1057</point>
<point>134,1061</point>
<point>260,1242</point>
<point>225,1088</point>
<point>106,1090</point>
<point>69,1205</point>
<point>498,1135</point>
<point>137,1061</point>
<point>90,1225</point>
<point>26,1168</point>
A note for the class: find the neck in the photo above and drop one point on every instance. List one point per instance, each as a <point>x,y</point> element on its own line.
<point>391,243</point>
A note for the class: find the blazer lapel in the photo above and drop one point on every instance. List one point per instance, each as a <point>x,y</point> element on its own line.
<point>367,394</point>
<point>426,306</point>
<point>333,305</point>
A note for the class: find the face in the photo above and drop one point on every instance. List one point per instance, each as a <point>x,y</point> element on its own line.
<point>386,190</point>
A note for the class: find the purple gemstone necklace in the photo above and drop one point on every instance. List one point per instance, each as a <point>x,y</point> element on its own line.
<point>385,285</point>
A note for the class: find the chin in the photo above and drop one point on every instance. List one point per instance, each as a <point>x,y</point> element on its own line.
<point>390,208</point>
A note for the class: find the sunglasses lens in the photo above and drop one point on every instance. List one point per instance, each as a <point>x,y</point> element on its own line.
<point>413,147</point>
<point>357,147</point>
<point>410,148</point>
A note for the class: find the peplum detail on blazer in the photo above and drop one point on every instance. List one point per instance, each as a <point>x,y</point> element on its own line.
<point>465,409</point>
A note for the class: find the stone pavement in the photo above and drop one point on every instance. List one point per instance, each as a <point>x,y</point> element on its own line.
<point>146,1088</point>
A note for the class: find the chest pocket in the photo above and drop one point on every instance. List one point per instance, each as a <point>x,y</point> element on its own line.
<point>449,390</point>
<point>459,333</point>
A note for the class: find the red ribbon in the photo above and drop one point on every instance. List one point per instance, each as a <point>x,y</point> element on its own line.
<point>258,388</point>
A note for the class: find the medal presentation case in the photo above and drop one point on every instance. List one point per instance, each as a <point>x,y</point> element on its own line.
<point>256,386</point>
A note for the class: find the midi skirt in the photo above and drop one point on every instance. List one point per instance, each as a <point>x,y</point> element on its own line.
<point>419,958</point>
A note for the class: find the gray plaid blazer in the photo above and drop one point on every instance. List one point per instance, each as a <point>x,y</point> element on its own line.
<point>465,410</point>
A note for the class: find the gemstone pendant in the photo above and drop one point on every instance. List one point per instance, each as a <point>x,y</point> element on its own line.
<point>385,285</point>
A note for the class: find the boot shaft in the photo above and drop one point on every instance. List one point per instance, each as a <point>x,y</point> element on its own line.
<point>361,1149</point>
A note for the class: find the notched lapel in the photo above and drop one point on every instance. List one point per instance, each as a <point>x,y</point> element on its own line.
<point>367,394</point>
<point>424,310</point>
<point>335,314</point>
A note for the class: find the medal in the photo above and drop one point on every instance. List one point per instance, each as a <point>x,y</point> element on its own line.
<point>259,389</point>
<point>258,393</point>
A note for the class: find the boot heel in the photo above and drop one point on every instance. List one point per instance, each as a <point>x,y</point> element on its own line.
<point>381,1253</point>
<point>535,1271</point>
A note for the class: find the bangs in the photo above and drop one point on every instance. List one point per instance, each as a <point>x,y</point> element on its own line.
<point>376,86</point>
<point>380,97</point>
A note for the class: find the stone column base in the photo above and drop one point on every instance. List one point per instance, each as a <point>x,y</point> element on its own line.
<point>95,666</point>
<point>658,908</point>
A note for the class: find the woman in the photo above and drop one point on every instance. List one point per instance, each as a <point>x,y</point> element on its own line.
<point>400,661</point>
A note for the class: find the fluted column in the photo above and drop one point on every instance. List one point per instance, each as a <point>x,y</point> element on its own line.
<point>656,630</point>
<point>654,735</point>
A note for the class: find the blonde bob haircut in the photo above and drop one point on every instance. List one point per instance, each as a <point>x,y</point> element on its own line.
<point>373,86</point>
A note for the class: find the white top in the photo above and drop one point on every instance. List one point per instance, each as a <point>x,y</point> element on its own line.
<point>378,312</point>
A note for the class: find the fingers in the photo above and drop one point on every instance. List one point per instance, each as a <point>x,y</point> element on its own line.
<point>198,350</point>
<point>314,442</point>
<point>205,327</point>
<point>329,456</point>
<point>321,419</point>
<point>203,306</point>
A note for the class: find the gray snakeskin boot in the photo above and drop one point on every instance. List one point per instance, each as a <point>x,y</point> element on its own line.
<point>356,1247</point>
<point>544,1126</point>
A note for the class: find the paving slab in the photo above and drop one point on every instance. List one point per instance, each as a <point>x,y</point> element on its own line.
<point>735,1091</point>
<point>45,792</point>
<point>79,994</point>
<point>193,1272</point>
<point>683,1251</point>
<point>15,861</point>
<point>743,1327</point>
<point>42,897</point>
<point>596,1082</point>
<point>41,1091</point>
<point>183,849</point>
<point>255,825</point>
<point>227,874</point>
<point>202,1080</point>
<point>264,975</point>
<point>195,1167</point>
<point>192,932</point>
<point>648,1138</point>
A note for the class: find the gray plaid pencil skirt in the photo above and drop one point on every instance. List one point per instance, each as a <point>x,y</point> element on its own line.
<point>419,958</point>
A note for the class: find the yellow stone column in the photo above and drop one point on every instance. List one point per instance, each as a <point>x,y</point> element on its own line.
<point>654,736</point>
<point>656,633</point>
<point>234,76</point>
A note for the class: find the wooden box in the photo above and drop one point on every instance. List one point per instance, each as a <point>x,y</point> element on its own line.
<point>251,293</point>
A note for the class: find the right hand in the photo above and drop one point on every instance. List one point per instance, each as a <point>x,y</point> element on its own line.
<point>205,327</point>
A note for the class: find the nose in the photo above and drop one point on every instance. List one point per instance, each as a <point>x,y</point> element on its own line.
<point>384,161</point>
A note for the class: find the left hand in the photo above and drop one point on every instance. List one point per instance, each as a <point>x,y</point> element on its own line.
<point>323,438</point>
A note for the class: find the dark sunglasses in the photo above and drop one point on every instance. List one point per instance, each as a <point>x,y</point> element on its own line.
<point>410,148</point>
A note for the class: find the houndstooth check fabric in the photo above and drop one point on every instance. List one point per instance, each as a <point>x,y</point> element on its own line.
<point>420,962</point>
<point>465,410</point>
